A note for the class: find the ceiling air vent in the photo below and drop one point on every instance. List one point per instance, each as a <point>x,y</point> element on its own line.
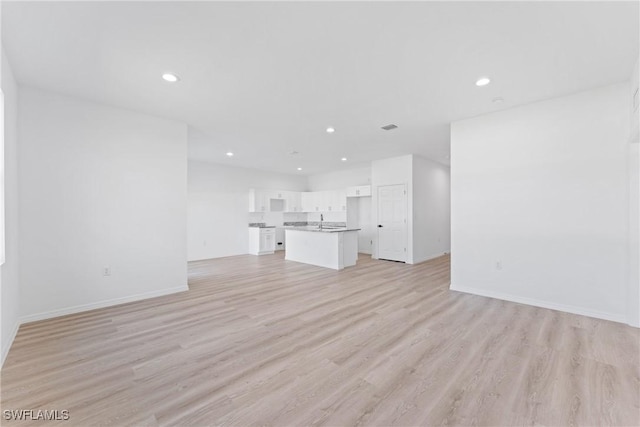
<point>389,127</point>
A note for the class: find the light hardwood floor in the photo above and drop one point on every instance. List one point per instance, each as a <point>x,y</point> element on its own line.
<point>264,341</point>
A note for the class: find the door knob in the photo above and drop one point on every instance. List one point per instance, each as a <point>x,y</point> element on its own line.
<point>379,226</point>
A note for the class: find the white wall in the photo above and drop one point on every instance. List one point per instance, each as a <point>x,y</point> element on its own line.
<point>340,179</point>
<point>9,285</point>
<point>431,209</point>
<point>395,170</point>
<point>634,103</point>
<point>365,223</point>
<point>99,187</point>
<point>219,204</point>
<point>633,293</point>
<point>542,189</point>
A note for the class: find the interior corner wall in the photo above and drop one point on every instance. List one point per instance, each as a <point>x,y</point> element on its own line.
<point>431,209</point>
<point>9,284</point>
<point>633,293</point>
<point>394,170</point>
<point>539,199</point>
<point>100,188</point>
<point>218,206</point>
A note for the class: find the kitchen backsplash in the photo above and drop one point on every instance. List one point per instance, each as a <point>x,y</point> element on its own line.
<point>294,217</point>
<point>297,218</point>
<point>327,217</point>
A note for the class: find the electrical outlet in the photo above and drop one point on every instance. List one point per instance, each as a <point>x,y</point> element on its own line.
<point>204,243</point>
<point>106,271</point>
<point>498,265</point>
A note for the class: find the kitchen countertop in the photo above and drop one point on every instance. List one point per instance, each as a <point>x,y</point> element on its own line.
<point>315,228</point>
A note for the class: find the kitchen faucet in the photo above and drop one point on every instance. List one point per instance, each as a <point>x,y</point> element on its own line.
<point>321,219</point>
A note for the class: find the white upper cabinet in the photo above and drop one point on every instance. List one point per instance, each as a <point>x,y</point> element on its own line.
<point>308,201</point>
<point>364,190</point>
<point>320,201</point>
<point>311,201</point>
<point>324,201</point>
<point>258,201</point>
<point>278,194</point>
<point>262,201</point>
<point>359,191</point>
<point>293,201</point>
<point>336,201</point>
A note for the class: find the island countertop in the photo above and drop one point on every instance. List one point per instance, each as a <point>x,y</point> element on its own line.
<point>315,228</point>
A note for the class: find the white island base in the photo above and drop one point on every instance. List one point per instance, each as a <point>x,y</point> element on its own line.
<point>332,249</point>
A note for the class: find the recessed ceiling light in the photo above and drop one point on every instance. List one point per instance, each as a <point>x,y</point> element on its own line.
<point>299,169</point>
<point>344,159</point>
<point>483,81</point>
<point>171,78</point>
<point>330,130</point>
<point>229,154</point>
<point>497,100</point>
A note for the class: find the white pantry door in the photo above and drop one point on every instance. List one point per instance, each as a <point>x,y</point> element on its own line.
<point>392,222</point>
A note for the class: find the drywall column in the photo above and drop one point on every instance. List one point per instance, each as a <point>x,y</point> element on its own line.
<point>9,288</point>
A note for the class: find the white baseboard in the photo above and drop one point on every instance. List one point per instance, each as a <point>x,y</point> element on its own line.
<point>101,304</point>
<point>428,258</point>
<point>6,346</point>
<point>538,303</point>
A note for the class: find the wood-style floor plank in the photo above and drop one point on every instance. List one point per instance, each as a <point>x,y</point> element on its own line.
<point>264,341</point>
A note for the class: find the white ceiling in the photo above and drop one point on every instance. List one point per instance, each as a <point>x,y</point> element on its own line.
<point>263,79</point>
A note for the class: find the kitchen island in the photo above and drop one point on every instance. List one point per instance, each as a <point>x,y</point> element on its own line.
<point>334,248</point>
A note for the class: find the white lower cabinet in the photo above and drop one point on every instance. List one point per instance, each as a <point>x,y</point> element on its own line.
<point>262,241</point>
